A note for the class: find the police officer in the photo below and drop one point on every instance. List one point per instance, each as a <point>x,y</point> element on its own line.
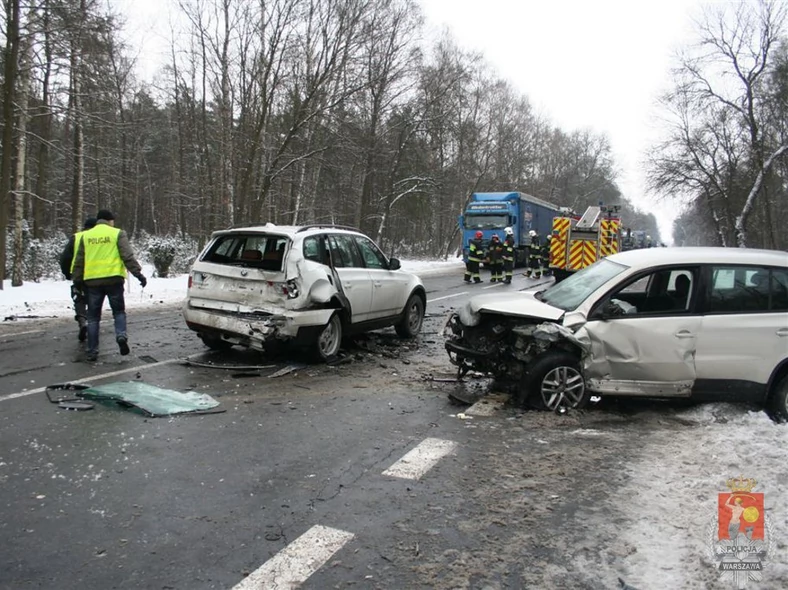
<point>508,255</point>
<point>534,252</point>
<point>495,256</point>
<point>77,295</point>
<point>475,255</point>
<point>103,255</point>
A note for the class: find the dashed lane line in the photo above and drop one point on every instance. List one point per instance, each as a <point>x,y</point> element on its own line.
<point>21,333</point>
<point>99,376</point>
<point>421,459</point>
<point>487,406</point>
<point>295,563</point>
<point>447,296</point>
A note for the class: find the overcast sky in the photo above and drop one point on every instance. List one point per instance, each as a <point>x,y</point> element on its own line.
<point>585,64</point>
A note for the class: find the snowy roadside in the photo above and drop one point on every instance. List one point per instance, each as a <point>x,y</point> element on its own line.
<point>52,299</point>
<point>671,499</point>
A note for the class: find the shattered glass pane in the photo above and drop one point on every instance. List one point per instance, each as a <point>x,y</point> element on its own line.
<point>152,400</point>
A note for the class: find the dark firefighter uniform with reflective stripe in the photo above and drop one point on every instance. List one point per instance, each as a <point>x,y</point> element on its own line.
<point>495,256</point>
<point>546,256</point>
<point>534,257</point>
<point>475,256</point>
<point>508,258</point>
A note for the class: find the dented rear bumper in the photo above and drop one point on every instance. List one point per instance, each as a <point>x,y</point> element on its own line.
<point>254,328</point>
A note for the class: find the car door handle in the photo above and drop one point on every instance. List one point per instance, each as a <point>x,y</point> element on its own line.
<point>377,283</point>
<point>782,332</point>
<point>684,334</point>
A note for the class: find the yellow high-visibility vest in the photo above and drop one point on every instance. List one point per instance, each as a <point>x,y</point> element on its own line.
<point>102,258</point>
<point>77,240</point>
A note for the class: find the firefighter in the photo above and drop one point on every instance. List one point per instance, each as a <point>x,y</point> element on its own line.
<point>495,257</point>
<point>545,256</point>
<point>534,270</point>
<point>508,255</point>
<point>475,255</point>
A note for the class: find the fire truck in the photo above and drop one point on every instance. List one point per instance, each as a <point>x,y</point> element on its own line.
<point>579,241</point>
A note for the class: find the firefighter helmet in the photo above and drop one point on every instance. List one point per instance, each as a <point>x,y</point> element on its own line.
<point>508,231</point>
<point>532,233</point>
<point>479,235</point>
<point>495,237</point>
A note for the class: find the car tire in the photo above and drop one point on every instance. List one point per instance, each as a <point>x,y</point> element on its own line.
<point>779,400</point>
<point>215,342</point>
<point>554,381</point>
<point>412,318</point>
<point>329,339</point>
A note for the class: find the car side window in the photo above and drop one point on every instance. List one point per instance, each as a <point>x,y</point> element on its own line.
<point>312,249</point>
<point>344,252</point>
<point>664,291</point>
<point>373,258</point>
<point>779,290</point>
<point>747,289</point>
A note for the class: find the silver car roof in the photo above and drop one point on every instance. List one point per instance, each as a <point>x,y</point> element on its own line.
<point>287,230</point>
<point>648,257</point>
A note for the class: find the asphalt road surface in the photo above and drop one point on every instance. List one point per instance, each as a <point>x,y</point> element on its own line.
<point>363,474</point>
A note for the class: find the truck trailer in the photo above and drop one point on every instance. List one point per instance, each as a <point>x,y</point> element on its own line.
<point>491,213</point>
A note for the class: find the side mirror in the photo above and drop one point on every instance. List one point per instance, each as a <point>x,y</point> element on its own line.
<point>394,264</point>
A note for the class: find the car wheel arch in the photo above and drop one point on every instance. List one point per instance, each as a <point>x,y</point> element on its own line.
<point>778,374</point>
<point>406,327</point>
<point>564,355</point>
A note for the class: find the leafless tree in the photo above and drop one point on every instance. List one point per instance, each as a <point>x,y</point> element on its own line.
<point>724,144</point>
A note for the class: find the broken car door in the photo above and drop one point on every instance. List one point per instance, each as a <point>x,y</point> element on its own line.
<point>356,284</point>
<point>388,286</point>
<point>644,335</point>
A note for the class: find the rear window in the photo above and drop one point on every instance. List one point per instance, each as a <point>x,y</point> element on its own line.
<point>263,251</point>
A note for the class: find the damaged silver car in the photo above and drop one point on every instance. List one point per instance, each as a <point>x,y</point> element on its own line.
<point>705,323</point>
<point>308,285</point>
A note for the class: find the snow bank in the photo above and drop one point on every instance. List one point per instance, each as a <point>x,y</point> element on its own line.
<point>53,298</point>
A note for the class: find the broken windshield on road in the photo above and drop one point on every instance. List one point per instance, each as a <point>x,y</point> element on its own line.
<point>572,291</point>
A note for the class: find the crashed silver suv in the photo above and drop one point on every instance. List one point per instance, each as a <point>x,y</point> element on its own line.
<point>309,285</point>
<point>705,323</point>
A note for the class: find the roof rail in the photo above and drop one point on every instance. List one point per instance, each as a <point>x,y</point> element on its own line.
<point>327,225</point>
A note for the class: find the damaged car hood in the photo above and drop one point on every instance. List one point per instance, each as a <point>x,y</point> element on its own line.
<point>517,304</point>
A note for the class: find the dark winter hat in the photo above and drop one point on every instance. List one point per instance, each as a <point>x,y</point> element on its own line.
<point>89,223</point>
<point>105,214</point>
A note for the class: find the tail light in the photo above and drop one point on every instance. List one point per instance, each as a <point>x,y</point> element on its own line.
<point>191,280</point>
<point>290,288</point>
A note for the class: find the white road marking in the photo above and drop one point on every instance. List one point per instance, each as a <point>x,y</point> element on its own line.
<point>21,333</point>
<point>421,459</point>
<point>493,286</point>
<point>447,297</point>
<point>486,406</point>
<point>296,562</point>
<point>93,378</point>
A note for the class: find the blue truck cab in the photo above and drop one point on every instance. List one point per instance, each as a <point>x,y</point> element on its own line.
<point>491,213</point>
